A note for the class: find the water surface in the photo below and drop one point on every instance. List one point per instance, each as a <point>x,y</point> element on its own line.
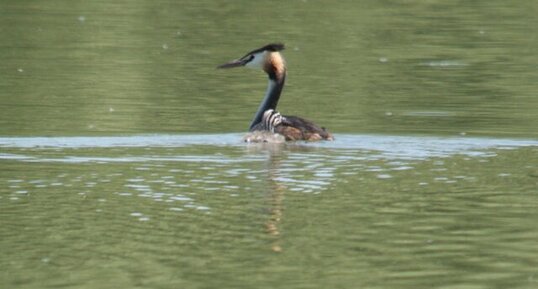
<point>208,210</point>
<point>122,166</point>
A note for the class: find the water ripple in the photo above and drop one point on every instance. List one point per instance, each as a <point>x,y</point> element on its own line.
<point>411,147</point>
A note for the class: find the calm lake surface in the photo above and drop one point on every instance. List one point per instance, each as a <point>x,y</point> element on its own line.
<point>122,166</point>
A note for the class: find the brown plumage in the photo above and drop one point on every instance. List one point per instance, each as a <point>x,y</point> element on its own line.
<point>293,128</point>
<point>296,128</point>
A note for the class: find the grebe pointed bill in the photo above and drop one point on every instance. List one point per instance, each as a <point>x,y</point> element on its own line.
<point>267,119</point>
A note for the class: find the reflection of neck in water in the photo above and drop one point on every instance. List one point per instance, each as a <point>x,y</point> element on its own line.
<point>275,186</point>
<point>276,197</point>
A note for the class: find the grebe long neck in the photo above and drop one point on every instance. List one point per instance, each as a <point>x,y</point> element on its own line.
<point>272,95</point>
<point>271,61</point>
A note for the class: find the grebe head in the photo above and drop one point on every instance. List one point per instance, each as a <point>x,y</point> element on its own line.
<point>267,58</point>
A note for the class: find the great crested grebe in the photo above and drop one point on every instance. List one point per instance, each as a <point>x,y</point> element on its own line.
<point>267,119</point>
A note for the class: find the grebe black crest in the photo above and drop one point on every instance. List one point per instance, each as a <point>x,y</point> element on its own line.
<point>267,121</point>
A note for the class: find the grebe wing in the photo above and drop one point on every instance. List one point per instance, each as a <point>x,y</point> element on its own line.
<point>298,128</point>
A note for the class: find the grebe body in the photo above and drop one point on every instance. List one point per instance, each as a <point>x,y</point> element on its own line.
<point>267,119</point>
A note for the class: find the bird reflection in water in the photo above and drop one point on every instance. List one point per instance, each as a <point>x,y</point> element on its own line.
<point>276,189</point>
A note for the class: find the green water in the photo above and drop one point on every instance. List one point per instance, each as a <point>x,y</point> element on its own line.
<point>108,67</point>
<point>121,164</point>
